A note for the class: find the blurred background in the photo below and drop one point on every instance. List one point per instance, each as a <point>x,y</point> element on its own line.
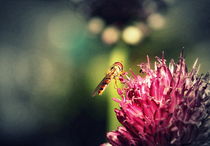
<point>53,53</point>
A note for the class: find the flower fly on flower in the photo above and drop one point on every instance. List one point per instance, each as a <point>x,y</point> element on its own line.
<point>166,106</point>
<point>113,73</point>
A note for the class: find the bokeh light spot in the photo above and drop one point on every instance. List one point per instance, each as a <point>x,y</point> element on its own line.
<point>110,35</point>
<point>64,28</point>
<point>95,25</point>
<point>132,35</point>
<point>156,21</point>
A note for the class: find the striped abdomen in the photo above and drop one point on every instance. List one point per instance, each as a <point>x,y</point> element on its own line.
<point>104,84</point>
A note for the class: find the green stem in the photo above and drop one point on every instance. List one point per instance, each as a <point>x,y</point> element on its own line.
<point>119,54</point>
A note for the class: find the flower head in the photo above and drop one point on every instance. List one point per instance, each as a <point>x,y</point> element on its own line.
<point>168,106</point>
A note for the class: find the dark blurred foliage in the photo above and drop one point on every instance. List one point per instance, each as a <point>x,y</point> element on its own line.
<point>120,13</point>
<point>115,12</point>
<point>45,88</point>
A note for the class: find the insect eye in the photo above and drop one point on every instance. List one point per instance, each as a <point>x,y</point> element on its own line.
<point>112,67</point>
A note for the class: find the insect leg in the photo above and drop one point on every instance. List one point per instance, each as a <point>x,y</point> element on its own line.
<point>115,82</point>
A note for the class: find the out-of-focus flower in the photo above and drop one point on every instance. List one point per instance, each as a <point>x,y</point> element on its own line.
<point>111,18</point>
<point>168,106</point>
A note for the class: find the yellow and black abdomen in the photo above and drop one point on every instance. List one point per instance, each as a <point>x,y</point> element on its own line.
<point>104,83</point>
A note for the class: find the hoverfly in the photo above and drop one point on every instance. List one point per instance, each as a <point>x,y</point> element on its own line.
<point>115,71</point>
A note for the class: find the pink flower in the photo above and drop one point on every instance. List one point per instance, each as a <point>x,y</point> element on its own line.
<point>168,106</point>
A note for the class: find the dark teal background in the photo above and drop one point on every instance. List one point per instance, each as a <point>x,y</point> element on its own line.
<point>48,60</point>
